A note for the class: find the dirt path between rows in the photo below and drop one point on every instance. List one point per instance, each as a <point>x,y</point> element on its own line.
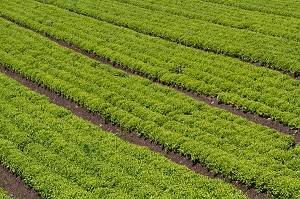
<point>132,137</point>
<point>15,186</point>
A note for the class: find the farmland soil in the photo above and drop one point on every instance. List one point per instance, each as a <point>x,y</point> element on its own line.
<point>15,186</point>
<point>132,137</point>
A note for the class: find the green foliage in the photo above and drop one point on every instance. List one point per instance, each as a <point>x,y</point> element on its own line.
<point>4,195</point>
<point>252,36</point>
<point>227,144</point>
<point>255,89</point>
<point>62,156</point>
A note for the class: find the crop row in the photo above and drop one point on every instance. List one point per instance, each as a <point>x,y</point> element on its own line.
<point>259,90</point>
<point>227,144</point>
<point>289,8</point>
<point>62,156</point>
<point>276,52</point>
<point>194,11</point>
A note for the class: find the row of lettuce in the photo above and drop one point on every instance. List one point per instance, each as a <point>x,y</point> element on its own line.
<point>252,154</point>
<point>266,43</point>
<point>63,156</point>
<point>190,13</point>
<point>259,90</point>
<point>289,8</point>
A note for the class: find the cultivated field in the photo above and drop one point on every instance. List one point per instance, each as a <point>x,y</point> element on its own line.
<point>154,72</point>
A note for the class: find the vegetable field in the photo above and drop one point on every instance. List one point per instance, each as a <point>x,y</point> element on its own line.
<point>246,55</point>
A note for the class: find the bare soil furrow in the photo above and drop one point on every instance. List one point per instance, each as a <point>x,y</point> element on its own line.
<point>15,186</point>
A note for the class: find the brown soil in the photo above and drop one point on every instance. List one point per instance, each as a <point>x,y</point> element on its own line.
<point>212,101</point>
<point>258,64</point>
<point>15,186</point>
<point>132,137</point>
